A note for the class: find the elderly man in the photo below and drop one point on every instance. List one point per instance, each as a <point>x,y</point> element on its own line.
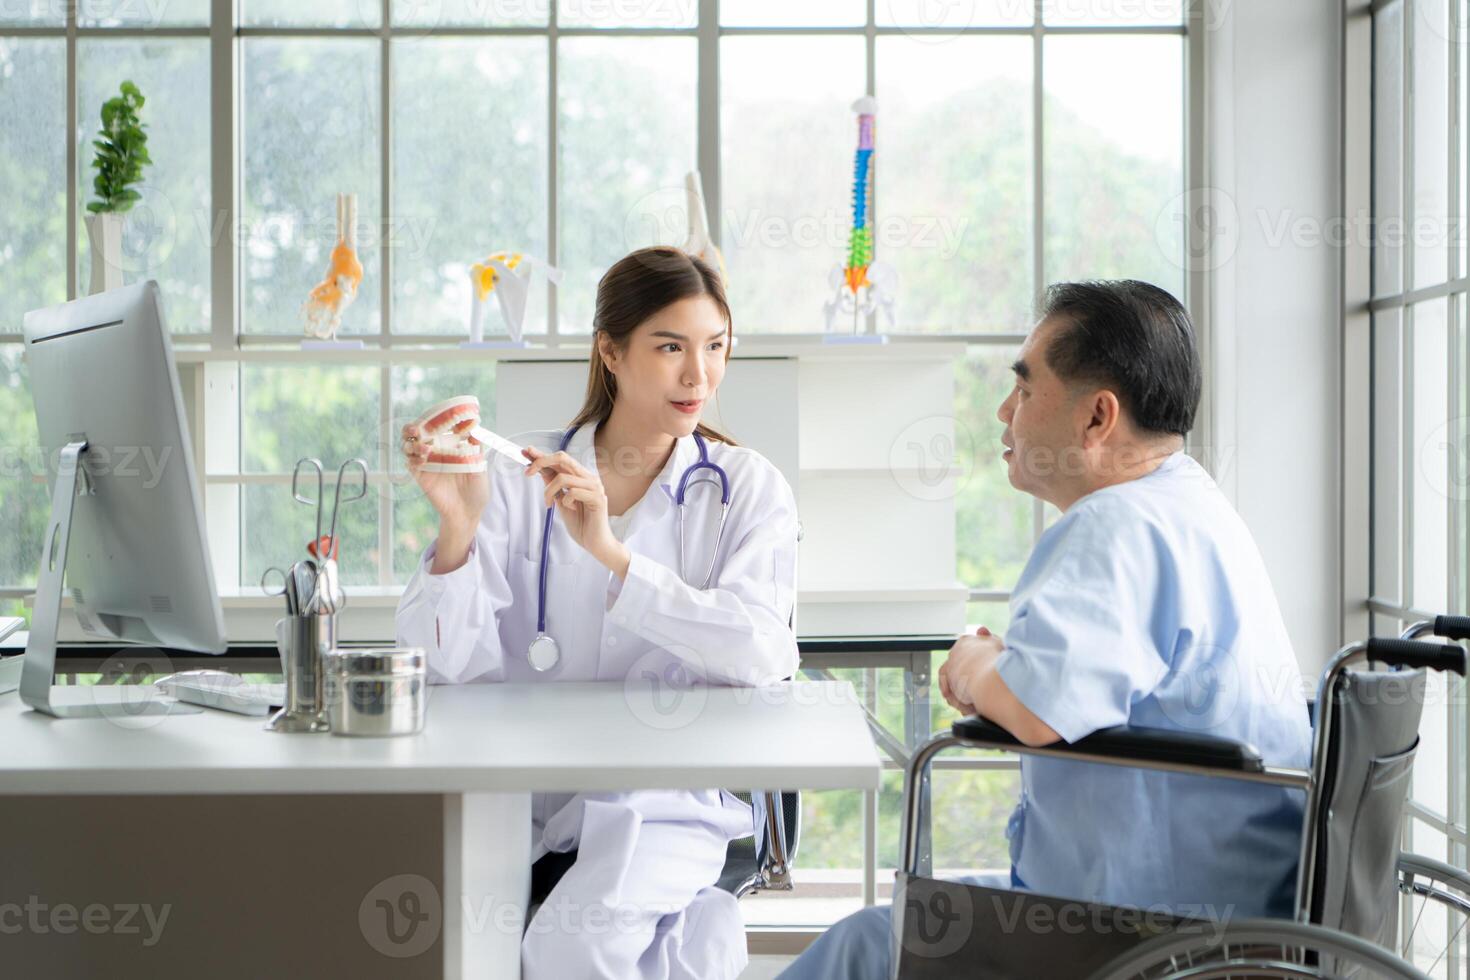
<point>1148,604</point>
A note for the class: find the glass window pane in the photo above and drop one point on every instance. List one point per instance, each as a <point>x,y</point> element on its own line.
<point>1112,13</point>
<point>1431,763</point>
<point>1462,53</point>
<point>955,16</point>
<point>1431,843</point>
<point>1431,154</point>
<point>1388,456</point>
<point>469,175</point>
<point>627,13</point>
<point>1114,159</point>
<point>415,387</point>
<point>793,13</point>
<point>994,616</point>
<point>310,131</point>
<point>33,173</point>
<point>24,502</point>
<point>1381,625</point>
<point>138,14</point>
<point>832,826</point>
<point>168,233</point>
<point>328,412</point>
<point>275,530</point>
<point>788,135</point>
<point>470,13</point>
<point>954,214</point>
<point>1429,386</point>
<point>1388,150</point>
<point>993,521</point>
<point>32,13</point>
<point>415,527</point>
<point>318,13</point>
<point>1438,938</point>
<point>621,163</point>
<point>970,813</point>
<point>1459,460</point>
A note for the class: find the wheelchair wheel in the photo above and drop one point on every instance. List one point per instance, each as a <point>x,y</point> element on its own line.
<point>1436,910</point>
<point>1258,948</point>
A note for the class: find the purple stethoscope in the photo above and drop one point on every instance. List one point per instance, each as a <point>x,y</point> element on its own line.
<point>544,653</point>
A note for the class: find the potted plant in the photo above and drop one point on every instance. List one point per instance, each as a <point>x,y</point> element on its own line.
<point>122,152</point>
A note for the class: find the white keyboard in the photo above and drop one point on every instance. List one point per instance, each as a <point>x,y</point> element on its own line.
<point>224,691</point>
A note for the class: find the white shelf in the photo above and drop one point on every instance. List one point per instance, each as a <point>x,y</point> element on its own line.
<point>834,472</point>
<point>938,592</point>
<point>749,349</point>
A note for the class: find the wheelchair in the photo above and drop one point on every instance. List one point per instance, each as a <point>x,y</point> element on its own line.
<point>1350,873</point>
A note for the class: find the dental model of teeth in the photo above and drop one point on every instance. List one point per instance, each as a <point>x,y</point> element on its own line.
<point>457,442</point>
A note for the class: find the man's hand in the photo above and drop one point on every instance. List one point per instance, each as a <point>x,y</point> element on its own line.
<point>972,686</point>
<point>968,658</point>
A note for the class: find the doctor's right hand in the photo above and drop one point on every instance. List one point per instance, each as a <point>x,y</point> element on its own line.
<point>458,498</point>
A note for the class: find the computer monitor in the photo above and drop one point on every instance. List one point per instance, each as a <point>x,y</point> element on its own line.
<point>127,529</point>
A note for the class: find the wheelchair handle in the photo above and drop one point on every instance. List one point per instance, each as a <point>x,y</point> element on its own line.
<point>1415,653</point>
<point>1452,627</point>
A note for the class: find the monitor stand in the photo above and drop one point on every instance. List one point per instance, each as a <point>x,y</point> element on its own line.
<point>117,702</point>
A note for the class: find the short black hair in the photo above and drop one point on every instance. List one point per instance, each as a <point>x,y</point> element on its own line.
<point>1134,339</point>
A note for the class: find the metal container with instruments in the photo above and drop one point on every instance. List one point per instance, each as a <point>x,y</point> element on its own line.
<point>302,641</point>
<point>375,692</point>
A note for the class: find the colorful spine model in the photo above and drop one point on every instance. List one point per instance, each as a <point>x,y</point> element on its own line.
<point>862,285</point>
<point>860,242</point>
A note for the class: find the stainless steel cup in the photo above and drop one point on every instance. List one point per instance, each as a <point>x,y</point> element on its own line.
<point>374,692</point>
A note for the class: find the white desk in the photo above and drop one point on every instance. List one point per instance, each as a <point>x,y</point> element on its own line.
<point>486,748</point>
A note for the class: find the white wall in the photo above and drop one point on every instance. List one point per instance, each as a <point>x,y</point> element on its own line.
<point>1273,119</point>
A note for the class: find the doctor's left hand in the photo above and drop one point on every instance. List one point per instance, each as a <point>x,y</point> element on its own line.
<point>578,495</point>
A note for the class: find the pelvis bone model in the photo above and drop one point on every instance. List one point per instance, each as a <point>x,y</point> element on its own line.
<point>457,442</point>
<point>507,276</point>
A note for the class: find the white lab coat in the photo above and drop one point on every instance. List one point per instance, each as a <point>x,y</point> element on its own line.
<point>646,860</point>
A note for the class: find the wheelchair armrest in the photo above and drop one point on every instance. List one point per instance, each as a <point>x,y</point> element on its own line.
<point>1131,743</point>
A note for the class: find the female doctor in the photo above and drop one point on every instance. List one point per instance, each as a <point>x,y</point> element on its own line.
<point>621,598</point>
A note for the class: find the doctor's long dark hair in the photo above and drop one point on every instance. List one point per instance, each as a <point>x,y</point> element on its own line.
<point>634,289</point>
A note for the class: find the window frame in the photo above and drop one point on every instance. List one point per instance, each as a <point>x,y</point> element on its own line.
<point>224,340</point>
<point>1365,608</point>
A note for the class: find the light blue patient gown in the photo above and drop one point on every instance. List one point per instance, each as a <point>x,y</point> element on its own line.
<point>1146,604</point>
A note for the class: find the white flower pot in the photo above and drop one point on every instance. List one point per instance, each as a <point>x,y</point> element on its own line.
<point>104,233</point>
